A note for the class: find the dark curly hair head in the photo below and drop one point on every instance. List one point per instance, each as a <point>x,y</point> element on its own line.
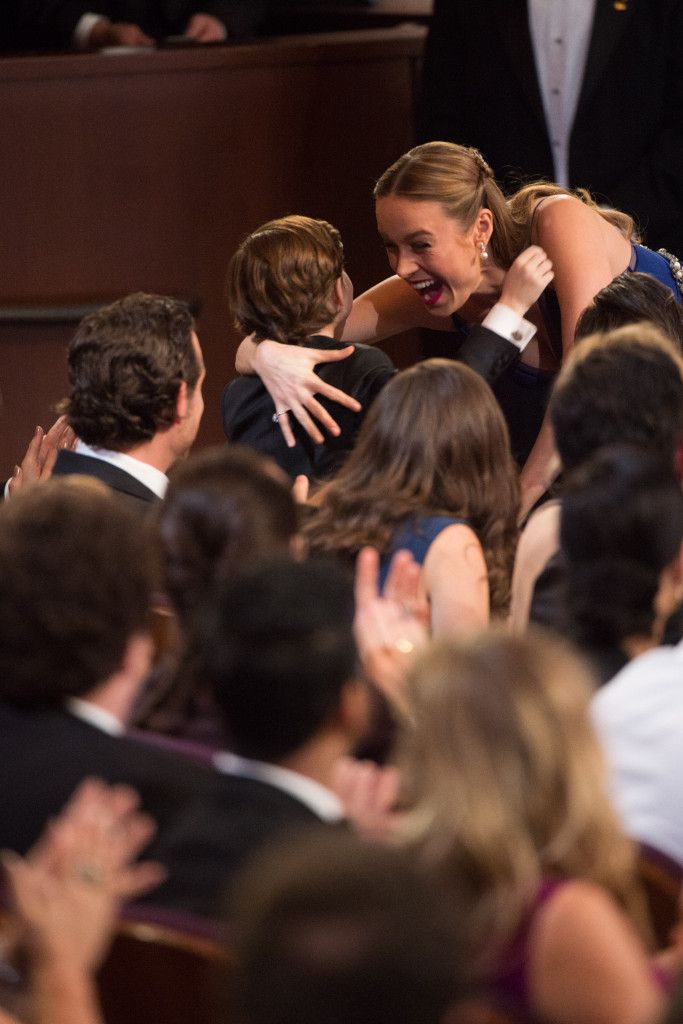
<point>74,589</point>
<point>622,525</point>
<point>126,364</point>
<point>622,387</point>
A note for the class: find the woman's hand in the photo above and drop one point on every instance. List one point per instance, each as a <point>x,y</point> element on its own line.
<point>67,891</point>
<point>527,278</point>
<point>287,371</point>
<point>390,628</point>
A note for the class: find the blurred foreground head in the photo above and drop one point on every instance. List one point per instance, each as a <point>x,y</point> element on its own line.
<point>74,589</point>
<point>333,930</point>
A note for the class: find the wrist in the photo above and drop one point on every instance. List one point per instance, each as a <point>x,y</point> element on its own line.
<point>99,34</point>
<point>509,324</point>
<point>514,303</point>
<point>58,971</point>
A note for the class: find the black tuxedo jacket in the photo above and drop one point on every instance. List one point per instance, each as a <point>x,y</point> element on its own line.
<point>45,754</point>
<point>480,88</point>
<point>122,483</point>
<point>208,823</point>
<point>209,843</point>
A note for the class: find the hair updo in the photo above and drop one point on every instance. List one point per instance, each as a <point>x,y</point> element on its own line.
<point>460,180</point>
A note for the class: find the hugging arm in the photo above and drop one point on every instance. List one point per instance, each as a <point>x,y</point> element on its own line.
<point>388,308</point>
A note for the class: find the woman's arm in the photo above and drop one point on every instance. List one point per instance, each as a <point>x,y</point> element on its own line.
<point>587,964</point>
<point>587,253</point>
<point>456,582</point>
<point>288,373</point>
<point>539,541</point>
<point>386,309</point>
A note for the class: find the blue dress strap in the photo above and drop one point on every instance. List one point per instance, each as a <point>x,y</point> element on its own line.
<point>416,535</point>
<point>660,265</point>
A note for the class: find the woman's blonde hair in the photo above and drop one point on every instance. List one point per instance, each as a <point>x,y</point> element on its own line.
<point>505,778</point>
<point>281,279</point>
<point>434,442</point>
<point>460,180</point>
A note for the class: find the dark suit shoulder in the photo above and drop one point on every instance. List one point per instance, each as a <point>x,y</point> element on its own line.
<point>123,483</point>
<point>45,754</point>
<point>214,838</point>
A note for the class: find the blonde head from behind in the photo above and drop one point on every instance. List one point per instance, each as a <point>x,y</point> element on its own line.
<point>505,777</point>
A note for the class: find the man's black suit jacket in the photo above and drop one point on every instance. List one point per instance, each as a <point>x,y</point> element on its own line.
<point>480,88</point>
<point>208,823</point>
<point>45,754</point>
<point>122,483</point>
<point>208,844</point>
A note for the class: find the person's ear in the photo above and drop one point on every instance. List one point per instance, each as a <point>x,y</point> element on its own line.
<point>483,226</point>
<point>676,567</point>
<point>338,293</point>
<point>354,707</point>
<point>181,402</point>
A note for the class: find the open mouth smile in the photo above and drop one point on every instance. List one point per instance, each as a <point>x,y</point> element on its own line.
<point>429,290</point>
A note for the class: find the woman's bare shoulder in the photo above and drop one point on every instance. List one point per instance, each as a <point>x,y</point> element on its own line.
<point>587,963</point>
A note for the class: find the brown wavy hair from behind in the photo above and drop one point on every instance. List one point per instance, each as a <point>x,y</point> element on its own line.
<point>126,364</point>
<point>281,279</point>
<point>75,572</point>
<point>434,442</point>
<point>460,180</point>
<point>505,781</point>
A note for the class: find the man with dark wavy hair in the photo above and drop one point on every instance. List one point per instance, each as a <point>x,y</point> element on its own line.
<point>136,373</point>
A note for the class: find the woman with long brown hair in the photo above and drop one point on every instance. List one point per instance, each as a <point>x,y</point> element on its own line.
<point>431,472</point>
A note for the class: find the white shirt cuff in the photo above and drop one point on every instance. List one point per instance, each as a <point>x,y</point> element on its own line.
<point>84,27</point>
<point>509,325</point>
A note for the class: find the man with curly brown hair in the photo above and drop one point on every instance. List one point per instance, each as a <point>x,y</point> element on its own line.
<point>136,373</point>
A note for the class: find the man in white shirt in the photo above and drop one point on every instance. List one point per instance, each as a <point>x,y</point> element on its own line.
<point>136,373</point>
<point>639,718</point>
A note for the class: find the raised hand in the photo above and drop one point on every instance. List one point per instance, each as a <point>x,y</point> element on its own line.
<point>529,275</point>
<point>390,627</point>
<point>41,454</point>
<point>67,891</point>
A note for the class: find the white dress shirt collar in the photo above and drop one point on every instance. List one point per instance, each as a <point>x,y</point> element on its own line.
<point>95,715</point>
<point>148,475</point>
<point>318,798</point>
